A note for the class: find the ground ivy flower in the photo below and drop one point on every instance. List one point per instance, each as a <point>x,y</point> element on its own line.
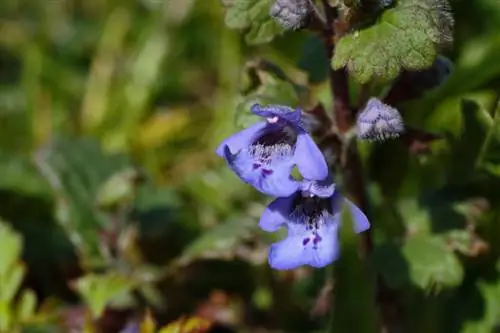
<point>264,154</point>
<point>379,121</point>
<point>312,216</point>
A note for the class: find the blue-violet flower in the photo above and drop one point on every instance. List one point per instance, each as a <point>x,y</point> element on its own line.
<point>312,216</point>
<point>264,154</point>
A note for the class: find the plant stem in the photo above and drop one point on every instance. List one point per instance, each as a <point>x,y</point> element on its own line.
<point>344,116</point>
<point>337,78</point>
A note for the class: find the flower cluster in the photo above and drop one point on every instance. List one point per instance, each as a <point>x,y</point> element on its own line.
<point>263,156</point>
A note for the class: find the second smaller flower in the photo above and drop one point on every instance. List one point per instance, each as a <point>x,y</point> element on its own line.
<point>312,216</point>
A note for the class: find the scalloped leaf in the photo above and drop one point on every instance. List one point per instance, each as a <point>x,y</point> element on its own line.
<point>406,37</point>
<point>253,17</point>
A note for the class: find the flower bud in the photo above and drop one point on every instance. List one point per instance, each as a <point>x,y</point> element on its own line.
<point>290,14</point>
<point>379,121</point>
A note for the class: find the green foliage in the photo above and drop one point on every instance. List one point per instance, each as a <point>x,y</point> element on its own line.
<point>13,312</point>
<point>252,16</point>
<point>406,37</point>
<point>77,189</point>
<point>432,264</point>
<point>110,114</point>
<point>266,85</point>
<point>98,290</point>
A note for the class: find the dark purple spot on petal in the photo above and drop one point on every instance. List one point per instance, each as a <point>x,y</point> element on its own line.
<point>305,241</point>
<point>267,172</point>
<point>256,166</point>
<point>317,239</point>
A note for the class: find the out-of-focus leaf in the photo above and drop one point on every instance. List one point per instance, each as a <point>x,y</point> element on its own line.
<point>476,124</point>
<point>26,306</point>
<point>118,189</point>
<point>19,174</point>
<point>488,158</point>
<point>252,16</point>
<point>354,288</point>
<point>148,324</point>
<point>11,245</point>
<point>75,169</point>
<point>221,241</point>
<point>417,219</point>
<point>431,263</point>
<point>314,60</point>
<point>95,101</point>
<point>490,291</point>
<point>11,281</point>
<point>389,261</point>
<point>99,290</point>
<point>272,89</point>
<point>188,325</point>
<point>406,37</point>
<point>161,127</point>
<point>144,71</point>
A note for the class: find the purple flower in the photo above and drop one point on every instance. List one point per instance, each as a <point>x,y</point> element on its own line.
<point>264,154</point>
<point>379,121</point>
<point>312,216</point>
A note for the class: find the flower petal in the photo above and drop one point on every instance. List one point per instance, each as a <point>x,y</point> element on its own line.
<point>241,139</point>
<point>309,159</point>
<point>276,214</point>
<point>359,218</point>
<point>275,180</point>
<point>320,188</point>
<point>284,112</point>
<point>301,247</point>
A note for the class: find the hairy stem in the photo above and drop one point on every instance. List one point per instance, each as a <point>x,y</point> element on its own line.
<point>344,116</point>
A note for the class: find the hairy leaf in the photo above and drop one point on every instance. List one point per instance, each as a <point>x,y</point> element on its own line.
<point>406,37</point>
<point>253,17</point>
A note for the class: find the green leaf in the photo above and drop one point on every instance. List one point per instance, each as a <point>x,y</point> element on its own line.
<point>11,281</point>
<point>253,17</point>
<point>490,293</point>
<point>26,305</point>
<point>406,37</point>
<point>76,169</point>
<point>221,241</point>
<point>466,150</point>
<point>389,261</point>
<point>98,290</point>
<point>20,174</point>
<point>489,159</point>
<point>118,189</point>
<point>431,263</point>
<point>354,285</point>
<point>11,245</point>
<point>273,88</point>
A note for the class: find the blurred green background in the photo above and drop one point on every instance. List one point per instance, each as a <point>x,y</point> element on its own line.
<point>111,193</point>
